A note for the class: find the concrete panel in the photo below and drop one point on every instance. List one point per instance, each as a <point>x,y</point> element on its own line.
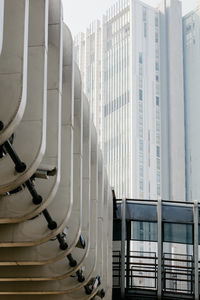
<point>89,265</point>
<point>53,152</point>
<point>79,294</point>
<point>1,23</point>
<point>77,196</point>
<point>13,65</point>
<point>172,105</point>
<point>30,136</point>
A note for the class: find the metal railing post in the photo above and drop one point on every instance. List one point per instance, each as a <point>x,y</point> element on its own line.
<point>123,249</point>
<point>196,246</point>
<point>160,248</point>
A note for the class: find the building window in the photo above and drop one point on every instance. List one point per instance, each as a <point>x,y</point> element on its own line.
<point>140,107</point>
<point>157,53</point>
<point>141,171</point>
<point>158,151</point>
<point>141,119</point>
<point>157,77</point>
<point>157,100</point>
<point>158,138</point>
<point>141,132</point>
<point>158,189</point>
<point>141,186</point>
<point>141,158</point>
<point>157,66</point>
<point>144,14</point>
<point>158,177</point>
<point>156,37</point>
<point>156,21</point>
<point>145,30</point>
<point>157,114</point>
<point>140,58</point>
<point>158,163</point>
<point>158,126</point>
<point>140,94</point>
<point>141,146</point>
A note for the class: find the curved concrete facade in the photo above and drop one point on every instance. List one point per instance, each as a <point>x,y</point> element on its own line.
<point>55,199</point>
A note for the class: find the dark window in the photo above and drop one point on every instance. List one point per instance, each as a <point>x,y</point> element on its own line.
<point>144,231</point>
<point>156,37</point>
<point>157,66</point>
<point>158,151</point>
<point>177,233</point>
<point>157,101</point>
<point>140,58</point>
<point>140,94</point>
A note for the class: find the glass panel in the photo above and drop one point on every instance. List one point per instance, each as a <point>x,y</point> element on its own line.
<point>178,233</point>
<point>177,214</point>
<point>144,231</point>
<point>141,212</point>
<point>117,230</point>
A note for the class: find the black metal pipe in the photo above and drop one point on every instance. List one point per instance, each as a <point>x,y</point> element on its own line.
<point>101,293</point>
<point>72,262</point>
<point>37,199</point>
<point>88,290</point>
<point>93,283</point>
<point>20,166</point>
<point>2,153</point>
<point>61,240</point>
<point>51,223</point>
<point>80,276</point>
<point>1,125</point>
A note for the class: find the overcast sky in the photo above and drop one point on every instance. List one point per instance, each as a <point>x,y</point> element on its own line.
<point>78,14</point>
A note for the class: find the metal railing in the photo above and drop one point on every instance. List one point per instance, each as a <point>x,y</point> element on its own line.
<point>141,272</point>
<point>116,269</point>
<point>178,272</point>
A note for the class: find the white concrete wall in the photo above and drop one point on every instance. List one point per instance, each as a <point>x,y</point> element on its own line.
<point>191,34</point>
<point>173,135</point>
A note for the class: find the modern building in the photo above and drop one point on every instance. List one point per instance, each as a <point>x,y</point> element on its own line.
<point>191,37</point>
<point>56,202</point>
<point>172,98</point>
<point>141,97</point>
<point>88,57</point>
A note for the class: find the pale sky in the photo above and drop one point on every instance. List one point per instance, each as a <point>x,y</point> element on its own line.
<point>78,14</point>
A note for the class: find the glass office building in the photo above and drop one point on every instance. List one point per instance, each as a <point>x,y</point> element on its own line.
<point>191,35</point>
<point>126,61</point>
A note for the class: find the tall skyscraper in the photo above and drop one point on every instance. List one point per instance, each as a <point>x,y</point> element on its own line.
<point>134,59</point>
<point>88,57</point>
<point>172,101</point>
<point>191,34</point>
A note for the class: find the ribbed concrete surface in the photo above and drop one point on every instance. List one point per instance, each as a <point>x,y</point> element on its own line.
<point>56,210</point>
